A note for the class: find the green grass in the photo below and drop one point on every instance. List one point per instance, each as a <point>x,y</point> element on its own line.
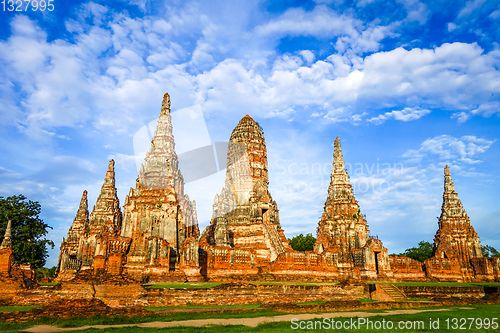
<point>214,284</point>
<point>184,285</point>
<point>293,283</point>
<point>440,284</point>
<point>48,283</point>
<point>366,300</point>
<point>18,308</point>
<point>311,303</point>
<point>478,311</point>
<point>116,320</point>
<point>249,306</point>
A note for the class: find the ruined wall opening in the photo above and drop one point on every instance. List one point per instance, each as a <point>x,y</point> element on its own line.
<point>265,215</point>
<point>376,261</point>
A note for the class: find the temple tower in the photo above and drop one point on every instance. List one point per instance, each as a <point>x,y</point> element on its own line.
<point>158,216</point>
<point>244,215</point>
<point>343,232</point>
<point>455,237</point>
<point>6,252</point>
<point>93,237</point>
<point>71,254</point>
<point>7,238</point>
<point>342,225</point>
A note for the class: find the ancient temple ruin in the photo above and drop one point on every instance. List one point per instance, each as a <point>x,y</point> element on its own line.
<point>6,252</point>
<point>343,233</point>
<point>457,249</point>
<point>157,236</point>
<point>159,230</point>
<point>245,231</point>
<point>13,275</point>
<point>94,240</point>
<point>158,217</point>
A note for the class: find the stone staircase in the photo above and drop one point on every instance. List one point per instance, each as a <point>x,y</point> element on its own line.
<point>275,239</point>
<point>393,291</point>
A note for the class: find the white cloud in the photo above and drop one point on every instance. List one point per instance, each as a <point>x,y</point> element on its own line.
<point>487,109</point>
<point>416,11</point>
<point>70,84</point>
<point>449,148</point>
<point>452,26</point>
<point>462,117</point>
<point>407,114</point>
<point>307,55</point>
<point>495,14</point>
<point>470,7</point>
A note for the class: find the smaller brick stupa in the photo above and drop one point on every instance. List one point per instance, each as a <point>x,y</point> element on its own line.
<point>6,252</point>
<point>343,232</point>
<point>94,248</point>
<point>457,249</point>
<point>71,255</point>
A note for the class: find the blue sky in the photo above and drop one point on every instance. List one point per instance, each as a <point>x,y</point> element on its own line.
<point>408,86</point>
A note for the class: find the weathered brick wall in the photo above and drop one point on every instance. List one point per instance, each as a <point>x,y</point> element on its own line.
<point>434,291</point>
<point>64,308</point>
<point>243,293</point>
<point>6,257</point>
<point>406,269</point>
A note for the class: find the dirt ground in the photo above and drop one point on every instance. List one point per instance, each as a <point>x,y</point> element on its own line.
<point>251,322</point>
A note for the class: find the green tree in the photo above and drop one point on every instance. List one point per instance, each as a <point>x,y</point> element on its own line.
<point>420,253</point>
<point>28,230</point>
<point>303,243</point>
<point>489,251</point>
<point>45,272</point>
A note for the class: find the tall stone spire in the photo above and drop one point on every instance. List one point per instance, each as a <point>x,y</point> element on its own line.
<point>161,165</point>
<point>342,223</point>
<point>158,216</point>
<point>455,237</point>
<point>7,242</point>
<point>107,208</point>
<point>339,180</point>
<point>154,173</point>
<point>449,187</point>
<point>81,221</point>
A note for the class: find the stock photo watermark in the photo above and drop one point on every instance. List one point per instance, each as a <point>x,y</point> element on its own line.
<point>364,324</point>
<point>364,177</point>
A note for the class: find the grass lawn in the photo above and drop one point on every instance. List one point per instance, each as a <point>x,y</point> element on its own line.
<point>214,284</point>
<point>440,284</point>
<point>311,303</point>
<point>18,308</point>
<point>249,306</point>
<point>184,285</point>
<point>366,300</point>
<point>103,320</point>
<point>458,315</point>
<point>293,283</point>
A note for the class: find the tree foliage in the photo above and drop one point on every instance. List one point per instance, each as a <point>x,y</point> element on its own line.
<point>489,251</point>
<point>28,229</point>
<point>420,253</point>
<point>45,272</point>
<point>303,243</point>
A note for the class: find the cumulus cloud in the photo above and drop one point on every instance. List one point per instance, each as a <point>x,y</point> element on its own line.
<point>470,7</point>
<point>71,84</point>
<point>449,148</point>
<point>322,22</point>
<point>407,114</point>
